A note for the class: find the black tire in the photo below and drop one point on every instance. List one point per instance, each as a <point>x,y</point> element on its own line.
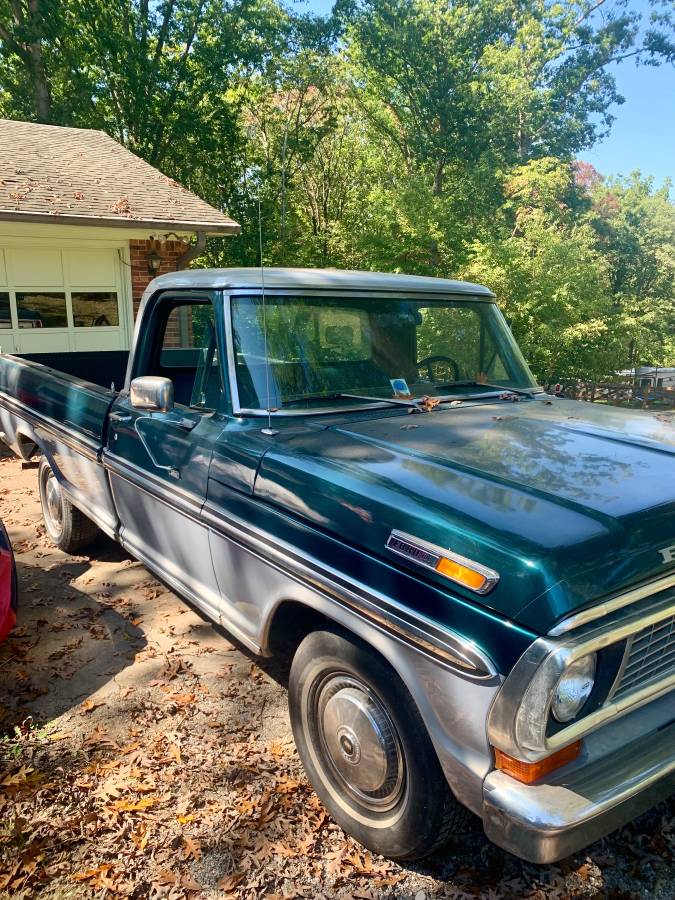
<point>400,805</point>
<point>67,528</point>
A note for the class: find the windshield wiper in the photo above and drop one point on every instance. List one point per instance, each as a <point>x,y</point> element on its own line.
<point>495,387</point>
<point>342,396</point>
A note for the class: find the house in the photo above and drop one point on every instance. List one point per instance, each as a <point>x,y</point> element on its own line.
<point>84,226</point>
<point>651,376</point>
<point>656,376</point>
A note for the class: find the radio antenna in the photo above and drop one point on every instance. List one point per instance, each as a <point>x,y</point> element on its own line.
<point>269,431</point>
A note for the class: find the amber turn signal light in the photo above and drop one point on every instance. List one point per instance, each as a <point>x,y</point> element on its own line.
<point>528,773</point>
<point>462,574</point>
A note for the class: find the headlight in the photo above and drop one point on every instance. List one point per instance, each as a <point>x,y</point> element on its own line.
<point>574,688</point>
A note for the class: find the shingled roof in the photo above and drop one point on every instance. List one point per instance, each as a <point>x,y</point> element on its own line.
<point>80,176</point>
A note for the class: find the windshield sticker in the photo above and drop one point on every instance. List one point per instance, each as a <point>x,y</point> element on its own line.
<point>400,388</point>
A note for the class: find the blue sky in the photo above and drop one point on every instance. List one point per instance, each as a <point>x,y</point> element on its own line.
<point>643,133</point>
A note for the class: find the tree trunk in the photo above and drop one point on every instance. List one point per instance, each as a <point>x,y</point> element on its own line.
<point>41,93</point>
<point>437,191</point>
<point>523,139</point>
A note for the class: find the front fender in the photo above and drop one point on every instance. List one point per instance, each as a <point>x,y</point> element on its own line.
<point>453,706</point>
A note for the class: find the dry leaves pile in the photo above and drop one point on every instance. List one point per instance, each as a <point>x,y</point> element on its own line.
<point>145,756</point>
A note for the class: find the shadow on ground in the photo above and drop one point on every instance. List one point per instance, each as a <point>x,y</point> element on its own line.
<point>66,646</point>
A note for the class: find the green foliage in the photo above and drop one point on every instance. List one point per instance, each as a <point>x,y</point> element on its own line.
<point>422,136</point>
<point>635,225</point>
<point>553,288</point>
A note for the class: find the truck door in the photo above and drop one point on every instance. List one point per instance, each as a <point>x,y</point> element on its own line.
<point>159,461</point>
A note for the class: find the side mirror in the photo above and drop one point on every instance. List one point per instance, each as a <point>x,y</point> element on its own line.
<point>152,393</point>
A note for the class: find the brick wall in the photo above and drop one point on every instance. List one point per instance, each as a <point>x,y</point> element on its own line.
<point>138,251</point>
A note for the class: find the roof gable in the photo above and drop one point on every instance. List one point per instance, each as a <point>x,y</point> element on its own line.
<point>82,176</point>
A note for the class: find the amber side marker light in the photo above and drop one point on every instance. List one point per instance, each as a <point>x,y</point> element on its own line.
<point>528,773</point>
<point>463,574</point>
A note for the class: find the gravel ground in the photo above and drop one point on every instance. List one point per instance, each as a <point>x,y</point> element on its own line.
<point>145,754</point>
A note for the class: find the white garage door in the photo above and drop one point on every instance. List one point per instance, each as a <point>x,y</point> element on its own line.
<point>56,300</point>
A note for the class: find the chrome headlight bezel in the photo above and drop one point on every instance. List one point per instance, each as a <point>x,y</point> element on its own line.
<point>520,721</point>
<point>574,688</point>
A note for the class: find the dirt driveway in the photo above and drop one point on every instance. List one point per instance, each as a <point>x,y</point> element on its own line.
<point>145,754</point>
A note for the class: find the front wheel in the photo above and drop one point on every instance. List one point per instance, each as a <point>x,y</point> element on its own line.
<point>366,750</point>
<point>68,528</point>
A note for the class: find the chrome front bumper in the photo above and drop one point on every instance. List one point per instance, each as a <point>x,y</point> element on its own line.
<point>545,822</point>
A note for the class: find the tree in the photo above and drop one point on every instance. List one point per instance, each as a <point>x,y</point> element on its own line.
<point>476,83</point>
<point>549,276</point>
<point>40,72</point>
<point>635,224</point>
<point>453,81</point>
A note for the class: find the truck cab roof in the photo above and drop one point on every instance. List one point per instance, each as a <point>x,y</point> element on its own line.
<point>287,279</point>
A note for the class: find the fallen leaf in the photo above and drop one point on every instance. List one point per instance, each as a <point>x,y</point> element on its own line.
<point>140,837</point>
<point>165,876</point>
<point>183,699</point>
<point>174,751</point>
<point>133,805</point>
<point>191,848</point>
<point>91,873</point>
<point>428,403</point>
<point>229,882</point>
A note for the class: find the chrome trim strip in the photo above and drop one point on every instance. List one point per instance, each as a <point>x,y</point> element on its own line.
<point>430,555</point>
<point>83,444</point>
<point>229,353</point>
<point>443,645</point>
<point>467,402</point>
<point>621,669</point>
<point>329,292</point>
<point>153,485</point>
<point>603,609</point>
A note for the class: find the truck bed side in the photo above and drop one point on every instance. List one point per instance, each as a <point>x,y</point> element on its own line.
<point>44,411</point>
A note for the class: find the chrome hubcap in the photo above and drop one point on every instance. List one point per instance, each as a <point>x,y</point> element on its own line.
<point>53,502</point>
<point>360,741</point>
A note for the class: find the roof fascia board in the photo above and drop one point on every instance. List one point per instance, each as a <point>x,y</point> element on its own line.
<point>121,223</point>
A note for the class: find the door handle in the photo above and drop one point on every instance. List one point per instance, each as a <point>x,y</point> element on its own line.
<point>185,423</point>
<point>119,418</point>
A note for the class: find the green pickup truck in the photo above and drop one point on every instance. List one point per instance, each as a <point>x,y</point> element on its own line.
<point>476,579</point>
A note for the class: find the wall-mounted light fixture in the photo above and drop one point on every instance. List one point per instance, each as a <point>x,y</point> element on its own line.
<point>154,262</point>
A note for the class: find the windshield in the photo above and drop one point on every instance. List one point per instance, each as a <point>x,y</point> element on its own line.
<point>382,348</point>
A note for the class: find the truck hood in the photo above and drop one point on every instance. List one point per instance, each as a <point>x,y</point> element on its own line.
<point>568,501</point>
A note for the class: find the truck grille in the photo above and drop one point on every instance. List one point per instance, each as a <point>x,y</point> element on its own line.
<point>651,658</point>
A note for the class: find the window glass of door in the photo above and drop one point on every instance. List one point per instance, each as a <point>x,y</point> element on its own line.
<point>189,355</point>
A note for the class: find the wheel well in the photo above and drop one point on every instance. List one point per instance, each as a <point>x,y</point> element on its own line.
<point>291,622</point>
<point>26,446</point>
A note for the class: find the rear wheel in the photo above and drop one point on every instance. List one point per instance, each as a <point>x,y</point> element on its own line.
<point>68,528</point>
<point>366,750</point>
